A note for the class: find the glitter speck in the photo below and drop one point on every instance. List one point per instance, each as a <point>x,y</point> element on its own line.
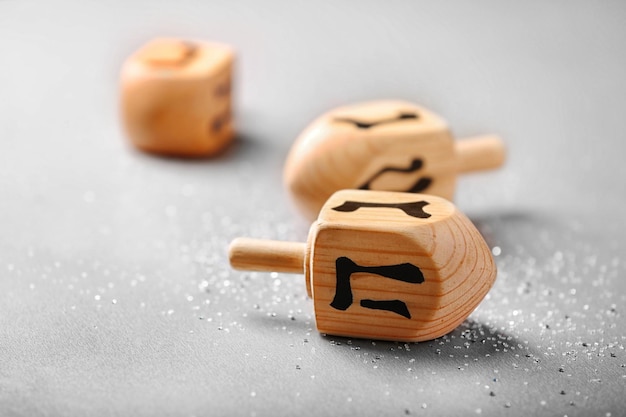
<point>496,251</point>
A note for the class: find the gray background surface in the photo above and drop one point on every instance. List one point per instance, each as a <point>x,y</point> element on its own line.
<point>116,297</point>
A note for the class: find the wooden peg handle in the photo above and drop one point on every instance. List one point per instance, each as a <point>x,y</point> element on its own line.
<point>267,255</point>
<point>480,153</point>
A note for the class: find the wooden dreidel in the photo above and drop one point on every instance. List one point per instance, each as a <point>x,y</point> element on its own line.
<point>383,265</point>
<point>176,97</point>
<point>382,145</point>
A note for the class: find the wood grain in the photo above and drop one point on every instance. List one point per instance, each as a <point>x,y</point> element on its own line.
<point>456,263</point>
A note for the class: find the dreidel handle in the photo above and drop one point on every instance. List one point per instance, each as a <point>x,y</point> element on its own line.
<point>480,153</point>
<point>267,255</point>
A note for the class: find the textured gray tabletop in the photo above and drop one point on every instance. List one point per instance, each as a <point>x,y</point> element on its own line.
<point>116,297</point>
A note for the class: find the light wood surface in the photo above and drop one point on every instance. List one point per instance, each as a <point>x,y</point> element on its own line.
<point>384,265</point>
<point>176,97</point>
<point>387,145</point>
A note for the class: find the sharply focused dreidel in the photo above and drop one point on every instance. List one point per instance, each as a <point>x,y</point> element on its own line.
<point>383,265</point>
<point>176,97</point>
<point>382,145</point>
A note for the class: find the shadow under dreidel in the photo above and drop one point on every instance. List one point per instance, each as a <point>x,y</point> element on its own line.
<point>269,321</point>
<point>471,341</point>
<point>243,147</point>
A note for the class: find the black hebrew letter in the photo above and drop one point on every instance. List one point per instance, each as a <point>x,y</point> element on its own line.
<point>345,267</point>
<point>396,306</point>
<point>365,125</point>
<point>413,209</point>
<point>419,186</point>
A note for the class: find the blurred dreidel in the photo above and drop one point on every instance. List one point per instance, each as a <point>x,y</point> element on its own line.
<point>382,145</point>
<point>176,97</point>
<point>383,265</point>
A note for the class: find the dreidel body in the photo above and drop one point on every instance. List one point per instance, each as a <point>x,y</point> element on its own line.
<point>382,145</point>
<point>383,265</point>
<point>176,97</point>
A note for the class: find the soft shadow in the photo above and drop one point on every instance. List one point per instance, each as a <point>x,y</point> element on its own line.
<point>472,341</point>
<point>243,147</point>
<point>267,322</point>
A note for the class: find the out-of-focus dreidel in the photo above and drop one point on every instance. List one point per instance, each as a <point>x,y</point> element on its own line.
<point>383,265</point>
<point>176,97</point>
<point>386,145</point>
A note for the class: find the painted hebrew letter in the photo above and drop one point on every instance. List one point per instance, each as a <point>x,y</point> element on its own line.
<point>366,125</point>
<point>413,209</point>
<point>345,267</point>
<point>420,185</point>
